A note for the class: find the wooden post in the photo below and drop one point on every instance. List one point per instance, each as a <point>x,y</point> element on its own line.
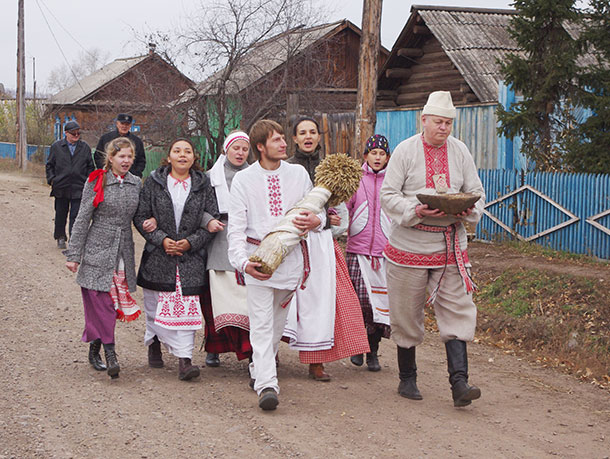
<point>21,141</point>
<point>370,43</point>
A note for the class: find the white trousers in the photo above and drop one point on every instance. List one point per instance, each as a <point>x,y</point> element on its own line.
<point>178,342</point>
<point>267,320</point>
<point>456,314</point>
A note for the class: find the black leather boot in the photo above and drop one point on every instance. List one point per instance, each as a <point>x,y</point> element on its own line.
<point>212,359</point>
<point>457,365</point>
<point>94,355</point>
<point>408,373</point>
<point>372,362</point>
<point>111,361</point>
<point>357,360</point>
<point>155,356</point>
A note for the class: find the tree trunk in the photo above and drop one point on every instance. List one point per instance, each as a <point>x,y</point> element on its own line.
<point>367,73</point>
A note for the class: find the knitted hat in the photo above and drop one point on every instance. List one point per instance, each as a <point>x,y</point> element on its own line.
<point>377,141</point>
<point>439,104</point>
<point>233,137</point>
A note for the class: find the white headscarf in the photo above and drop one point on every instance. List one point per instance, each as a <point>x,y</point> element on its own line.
<point>217,173</point>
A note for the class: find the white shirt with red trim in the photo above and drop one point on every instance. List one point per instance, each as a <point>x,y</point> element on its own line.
<point>259,200</point>
<point>410,171</point>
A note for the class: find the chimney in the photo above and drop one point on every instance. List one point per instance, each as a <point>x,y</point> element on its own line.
<point>151,48</point>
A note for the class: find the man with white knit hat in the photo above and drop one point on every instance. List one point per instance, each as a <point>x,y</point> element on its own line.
<point>427,248</point>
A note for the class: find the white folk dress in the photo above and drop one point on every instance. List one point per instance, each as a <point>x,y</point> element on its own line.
<point>171,316</point>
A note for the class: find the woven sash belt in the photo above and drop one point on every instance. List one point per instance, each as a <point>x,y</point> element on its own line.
<point>452,244</point>
<point>306,267</point>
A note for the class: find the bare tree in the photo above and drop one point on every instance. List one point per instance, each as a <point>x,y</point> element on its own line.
<point>86,63</point>
<point>251,54</point>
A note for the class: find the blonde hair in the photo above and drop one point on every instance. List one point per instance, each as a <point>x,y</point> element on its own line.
<point>112,148</point>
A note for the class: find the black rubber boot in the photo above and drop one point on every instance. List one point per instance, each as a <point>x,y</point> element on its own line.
<point>111,361</point>
<point>155,356</point>
<point>408,373</point>
<point>94,355</point>
<point>372,362</point>
<point>457,366</point>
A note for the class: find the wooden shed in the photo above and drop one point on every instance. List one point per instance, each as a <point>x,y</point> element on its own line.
<point>447,48</point>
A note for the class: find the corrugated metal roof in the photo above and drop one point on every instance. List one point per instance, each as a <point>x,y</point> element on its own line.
<point>268,56</point>
<point>78,91</point>
<point>474,41</point>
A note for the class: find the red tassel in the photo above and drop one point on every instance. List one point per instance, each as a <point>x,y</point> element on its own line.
<point>120,315</point>
<point>97,175</point>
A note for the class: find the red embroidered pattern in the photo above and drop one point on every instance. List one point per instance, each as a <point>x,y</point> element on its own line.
<point>231,320</point>
<point>417,259</point>
<point>274,193</point>
<point>173,324</point>
<point>436,162</point>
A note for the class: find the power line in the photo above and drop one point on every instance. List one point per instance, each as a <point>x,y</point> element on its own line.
<point>65,30</point>
<point>60,49</point>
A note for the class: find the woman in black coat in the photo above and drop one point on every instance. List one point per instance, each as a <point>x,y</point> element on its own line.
<point>173,262</point>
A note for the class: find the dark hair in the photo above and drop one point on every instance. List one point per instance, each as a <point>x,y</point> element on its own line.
<point>196,166</point>
<point>260,132</point>
<point>304,118</point>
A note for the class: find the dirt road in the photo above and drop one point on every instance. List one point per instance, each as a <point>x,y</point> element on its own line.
<point>54,404</point>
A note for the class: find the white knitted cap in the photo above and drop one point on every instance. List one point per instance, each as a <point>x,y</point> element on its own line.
<point>439,104</point>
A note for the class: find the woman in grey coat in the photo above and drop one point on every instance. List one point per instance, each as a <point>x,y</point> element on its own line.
<point>172,270</point>
<point>101,249</point>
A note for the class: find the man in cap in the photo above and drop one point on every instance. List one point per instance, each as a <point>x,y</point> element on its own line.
<point>123,129</point>
<point>427,248</point>
<point>68,166</point>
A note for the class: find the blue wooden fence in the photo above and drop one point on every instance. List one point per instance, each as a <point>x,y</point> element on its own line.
<point>475,126</point>
<point>569,212</point>
<point>8,150</point>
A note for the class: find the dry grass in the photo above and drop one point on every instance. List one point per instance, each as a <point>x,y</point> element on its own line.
<point>560,320</point>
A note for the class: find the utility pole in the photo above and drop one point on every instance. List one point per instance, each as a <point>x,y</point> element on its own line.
<point>34,78</point>
<point>370,44</point>
<point>21,141</point>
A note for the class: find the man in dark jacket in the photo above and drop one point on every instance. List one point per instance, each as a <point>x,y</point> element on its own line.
<point>123,127</point>
<point>68,166</point>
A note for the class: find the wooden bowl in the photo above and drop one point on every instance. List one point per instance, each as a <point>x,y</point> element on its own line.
<point>450,203</point>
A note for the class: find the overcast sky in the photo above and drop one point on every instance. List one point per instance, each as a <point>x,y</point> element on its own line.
<point>111,25</point>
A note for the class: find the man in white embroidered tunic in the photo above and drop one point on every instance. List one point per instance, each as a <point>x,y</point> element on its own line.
<point>427,248</point>
<point>260,197</point>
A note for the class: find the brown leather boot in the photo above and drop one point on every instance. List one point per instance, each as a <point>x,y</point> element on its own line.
<point>186,370</point>
<point>155,357</point>
<point>316,372</point>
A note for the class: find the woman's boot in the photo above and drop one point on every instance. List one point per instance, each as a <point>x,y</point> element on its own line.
<point>316,372</point>
<point>408,373</point>
<point>212,360</point>
<point>186,369</point>
<point>372,362</point>
<point>357,360</point>
<point>457,366</point>
<point>94,355</point>
<point>111,361</point>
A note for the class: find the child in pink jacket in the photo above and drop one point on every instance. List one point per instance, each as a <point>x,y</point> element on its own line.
<point>368,232</point>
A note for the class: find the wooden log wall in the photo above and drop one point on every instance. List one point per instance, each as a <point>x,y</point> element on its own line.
<point>421,71</point>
